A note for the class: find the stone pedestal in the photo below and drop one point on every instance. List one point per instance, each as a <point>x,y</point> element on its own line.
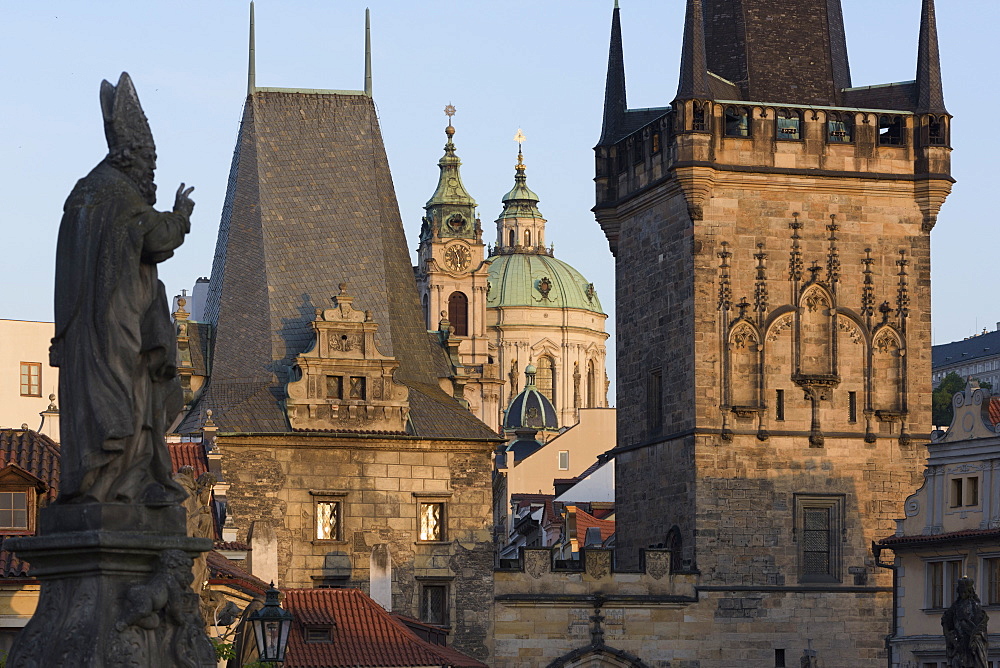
<point>115,590</point>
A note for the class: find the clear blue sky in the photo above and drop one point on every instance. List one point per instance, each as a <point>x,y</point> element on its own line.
<point>535,65</point>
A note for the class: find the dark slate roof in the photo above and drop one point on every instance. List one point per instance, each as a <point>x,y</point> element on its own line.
<point>363,634</point>
<point>900,96</point>
<point>958,352</point>
<point>311,205</point>
<point>199,336</point>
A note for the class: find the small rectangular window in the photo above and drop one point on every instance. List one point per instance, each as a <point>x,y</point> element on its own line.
<point>852,407</point>
<point>14,510</point>
<point>564,460</point>
<point>737,122</point>
<point>327,520</point>
<point>890,130</point>
<point>779,404</point>
<point>334,387</point>
<point>318,634</point>
<point>818,527</point>
<point>432,520</point>
<point>779,658</point>
<point>972,491</point>
<point>358,389</point>
<point>789,126</point>
<point>956,492</point>
<point>654,401</point>
<point>434,604</point>
<point>656,143</point>
<point>31,379</point>
<point>839,130</point>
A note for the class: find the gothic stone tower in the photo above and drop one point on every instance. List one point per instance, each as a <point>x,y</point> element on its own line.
<point>771,233</point>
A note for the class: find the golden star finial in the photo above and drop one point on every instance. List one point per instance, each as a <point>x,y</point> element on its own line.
<point>449,111</point>
<point>519,137</point>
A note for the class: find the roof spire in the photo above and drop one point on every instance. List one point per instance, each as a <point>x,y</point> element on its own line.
<point>520,201</point>
<point>614,90</point>
<point>368,53</point>
<point>930,93</point>
<point>450,190</point>
<point>251,66</point>
<point>693,81</point>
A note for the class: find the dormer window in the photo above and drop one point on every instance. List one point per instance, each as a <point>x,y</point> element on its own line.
<point>839,128</point>
<point>737,122</point>
<point>890,130</point>
<point>317,633</point>
<point>19,491</point>
<point>789,125</point>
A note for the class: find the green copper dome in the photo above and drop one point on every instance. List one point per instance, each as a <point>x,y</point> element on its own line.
<point>533,279</point>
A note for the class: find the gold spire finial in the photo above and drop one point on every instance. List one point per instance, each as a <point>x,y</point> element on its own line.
<point>519,138</point>
<point>449,111</point>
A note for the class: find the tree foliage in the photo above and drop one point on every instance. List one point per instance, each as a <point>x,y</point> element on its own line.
<point>942,410</point>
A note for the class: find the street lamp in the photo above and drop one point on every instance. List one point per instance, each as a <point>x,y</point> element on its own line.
<point>271,625</point>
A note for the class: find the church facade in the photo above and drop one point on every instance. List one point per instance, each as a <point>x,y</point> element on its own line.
<point>511,304</point>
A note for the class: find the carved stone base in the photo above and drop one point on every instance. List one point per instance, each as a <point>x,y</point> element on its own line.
<point>118,596</point>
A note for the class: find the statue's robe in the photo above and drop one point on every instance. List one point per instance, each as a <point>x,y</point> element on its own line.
<point>114,343</point>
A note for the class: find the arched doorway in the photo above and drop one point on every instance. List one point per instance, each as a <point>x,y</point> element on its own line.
<point>458,313</point>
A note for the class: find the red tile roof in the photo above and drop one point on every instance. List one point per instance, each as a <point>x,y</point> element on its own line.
<point>995,409</point>
<point>225,571</point>
<point>585,520</point>
<point>35,453</point>
<point>900,541</point>
<point>11,566</point>
<point>364,634</point>
<point>188,454</point>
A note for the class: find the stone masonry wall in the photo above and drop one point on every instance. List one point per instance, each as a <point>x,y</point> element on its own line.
<point>379,482</point>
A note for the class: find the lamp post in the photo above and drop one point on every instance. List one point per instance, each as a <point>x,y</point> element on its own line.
<point>271,625</point>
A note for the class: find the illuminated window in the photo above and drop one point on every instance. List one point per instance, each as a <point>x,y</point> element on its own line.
<point>359,388</point>
<point>31,379</point>
<point>432,520</point>
<point>545,377</point>
<point>327,520</point>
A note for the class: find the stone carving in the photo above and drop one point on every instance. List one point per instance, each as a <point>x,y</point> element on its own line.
<point>544,286</point>
<point>165,596</point>
<point>964,624</point>
<point>345,382</point>
<point>597,563</point>
<point>744,337</point>
<point>114,342</point>
<point>200,522</point>
<point>657,563</point>
<point>780,325</point>
<point>537,563</point>
<point>816,301</point>
<point>886,343</point>
<point>845,325</point>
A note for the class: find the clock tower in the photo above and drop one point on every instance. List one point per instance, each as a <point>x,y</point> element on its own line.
<point>452,280</point>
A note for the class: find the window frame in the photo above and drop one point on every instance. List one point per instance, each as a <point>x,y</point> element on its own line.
<point>323,496</point>
<point>561,465</point>
<point>458,313</point>
<point>891,119</point>
<point>28,526</point>
<point>846,123</point>
<point>27,368</point>
<point>780,133</point>
<point>427,498</point>
<point>445,585</point>
<point>731,115</point>
<point>836,505</point>
<point>990,581</point>
<point>931,604</point>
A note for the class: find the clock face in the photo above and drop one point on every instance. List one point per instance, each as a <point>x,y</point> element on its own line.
<point>457,258</point>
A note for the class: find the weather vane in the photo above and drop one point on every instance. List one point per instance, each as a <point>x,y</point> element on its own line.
<point>449,111</point>
<point>519,138</point>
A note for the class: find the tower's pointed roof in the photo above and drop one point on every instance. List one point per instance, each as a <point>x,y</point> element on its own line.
<point>520,201</point>
<point>450,189</point>
<point>614,89</point>
<point>930,92</point>
<point>310,205</point>
<point>693,81</point>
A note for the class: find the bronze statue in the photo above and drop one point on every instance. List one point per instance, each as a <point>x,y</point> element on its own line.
<point>964,624</point>
<point>114,343</point>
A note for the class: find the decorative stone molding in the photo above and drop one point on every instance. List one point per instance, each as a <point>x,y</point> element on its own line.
<point>345,382</point>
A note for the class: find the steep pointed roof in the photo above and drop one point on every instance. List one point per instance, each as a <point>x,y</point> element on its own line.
<point>779,51</point>
<point>450,189</point>
<point>694,80</point>
<point>614,88</point>
<point>311,205</point>
<point>930,92</point>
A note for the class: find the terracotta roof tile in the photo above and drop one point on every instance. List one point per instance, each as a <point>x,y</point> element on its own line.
<point>225,571</point>
<point>899,541</point>
<point>188,454</point>
<point>11,566</point>
<point>364,634</point>
<point>585,520</point>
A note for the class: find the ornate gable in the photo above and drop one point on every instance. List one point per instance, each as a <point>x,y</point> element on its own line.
<point>344,382</point>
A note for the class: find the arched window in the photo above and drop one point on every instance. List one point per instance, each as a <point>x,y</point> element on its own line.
<point>458,313</point>
<point>737,122</point>
<point>699,120</point>
<point>936,135</point>
<point>839,127</point>
<point>512,238</point>
<point>591,385</point>
<point>890,130</point>
<point>527,237</point>
<point>545,377</point>
<point>789,125</point>
<point>674,544</point>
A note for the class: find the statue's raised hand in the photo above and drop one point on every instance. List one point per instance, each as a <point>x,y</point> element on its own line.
<point>182,203</point>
